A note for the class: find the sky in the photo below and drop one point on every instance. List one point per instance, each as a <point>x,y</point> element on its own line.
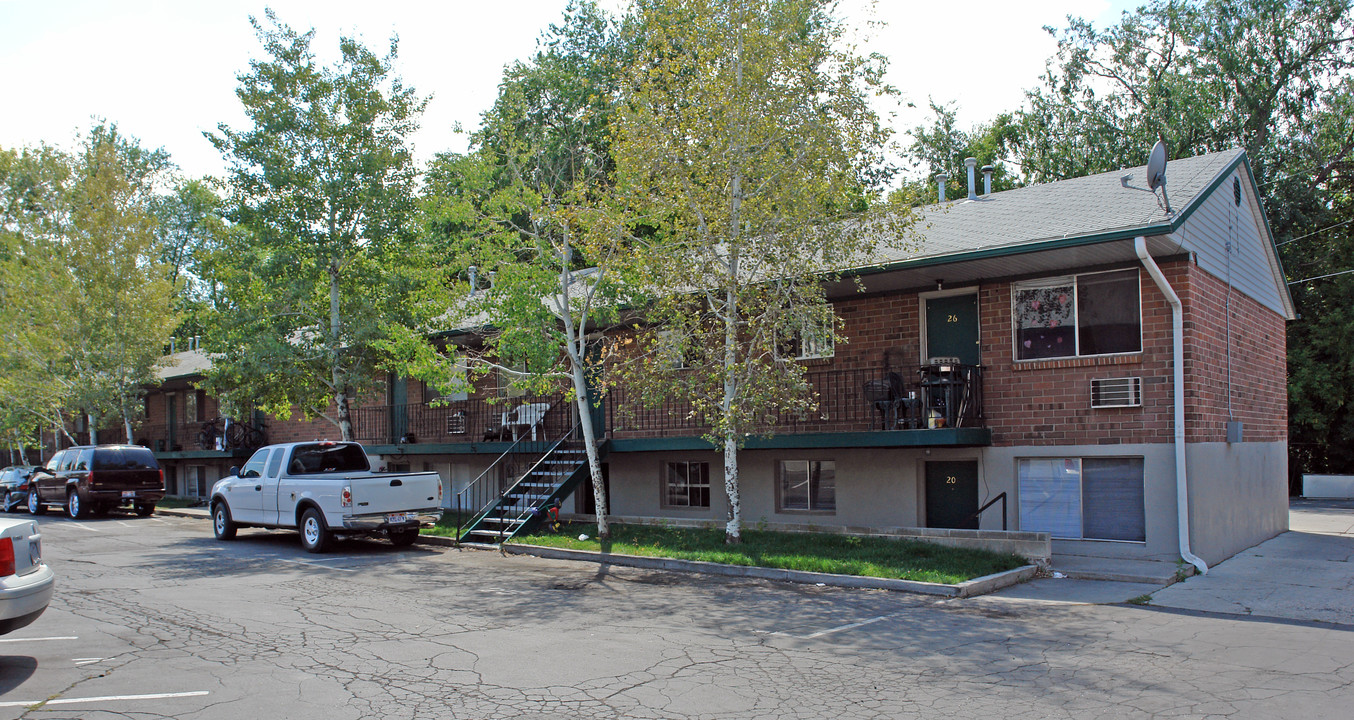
<point>165,70</point>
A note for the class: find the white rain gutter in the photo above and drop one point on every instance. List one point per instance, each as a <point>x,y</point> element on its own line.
<point>1178,385</point>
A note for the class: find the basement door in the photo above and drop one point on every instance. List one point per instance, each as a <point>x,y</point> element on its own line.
<point>952,494</point>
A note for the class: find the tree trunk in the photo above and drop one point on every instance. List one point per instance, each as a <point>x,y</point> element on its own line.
<point>341,399</point>
<point>733,531</point>
<point>576,349</point>
<point>590,444</point>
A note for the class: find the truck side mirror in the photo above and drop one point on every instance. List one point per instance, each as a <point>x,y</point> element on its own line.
<point>233,470</point>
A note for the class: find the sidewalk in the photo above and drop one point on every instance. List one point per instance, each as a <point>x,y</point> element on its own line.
<point>1304,574</point>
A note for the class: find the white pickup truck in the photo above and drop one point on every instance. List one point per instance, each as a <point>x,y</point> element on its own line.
<point>326,490</point>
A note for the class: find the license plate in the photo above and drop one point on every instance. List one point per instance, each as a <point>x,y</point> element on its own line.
<point>129,493</point>
<point>399,517</point>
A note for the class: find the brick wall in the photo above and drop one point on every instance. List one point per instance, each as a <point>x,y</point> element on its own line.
<point>1259,377</point>
<point>1048,402</point>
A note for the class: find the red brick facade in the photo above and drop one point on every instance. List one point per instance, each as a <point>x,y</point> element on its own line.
<point>1027,403</point>
<point>1259,377</point>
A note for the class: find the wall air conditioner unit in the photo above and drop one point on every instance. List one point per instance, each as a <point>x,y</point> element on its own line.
<point>1116,392</point>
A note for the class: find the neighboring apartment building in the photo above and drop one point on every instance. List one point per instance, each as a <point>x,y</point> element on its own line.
<point>1024,350</point>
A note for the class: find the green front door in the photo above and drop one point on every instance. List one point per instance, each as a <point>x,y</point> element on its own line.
<point>952,494</point>
<point>952,327</point>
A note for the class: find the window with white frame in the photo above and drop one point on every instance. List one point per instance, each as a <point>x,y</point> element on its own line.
<point>813,339</point>
<point>1090,498</point>
<point>686,485</point>
<point>1076,315</point>
<point>807,486</point>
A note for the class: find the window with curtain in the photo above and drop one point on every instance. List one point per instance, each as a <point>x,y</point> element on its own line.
<point>1083,498</point>
<point>1069,316</point>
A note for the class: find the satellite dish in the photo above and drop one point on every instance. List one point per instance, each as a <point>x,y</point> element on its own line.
<point>1156,166</point>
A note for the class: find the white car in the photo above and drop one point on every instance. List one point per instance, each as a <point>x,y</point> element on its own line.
<point>26,582</point>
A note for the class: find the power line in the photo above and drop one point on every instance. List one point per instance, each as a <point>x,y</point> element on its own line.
<point>1314,232</point>
<point>1320,277</point>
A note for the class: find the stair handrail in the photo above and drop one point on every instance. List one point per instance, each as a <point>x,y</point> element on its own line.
<point>511,488</point>
<point>1000,496</point>
<point>514,448</point>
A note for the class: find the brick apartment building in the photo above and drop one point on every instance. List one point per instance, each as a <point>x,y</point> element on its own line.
<point>1016,371</point>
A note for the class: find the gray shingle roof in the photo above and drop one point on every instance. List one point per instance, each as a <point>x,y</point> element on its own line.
<point>1084,206</point>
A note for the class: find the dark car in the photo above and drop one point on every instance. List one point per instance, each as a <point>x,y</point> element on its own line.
<point>14,487</point>
<point>97,478</point>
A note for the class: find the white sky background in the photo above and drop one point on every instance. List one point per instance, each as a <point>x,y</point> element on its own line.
<point>164,70</point>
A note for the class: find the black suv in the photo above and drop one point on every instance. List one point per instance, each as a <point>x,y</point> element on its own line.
<point>14,487</point>
<point>97,478</point>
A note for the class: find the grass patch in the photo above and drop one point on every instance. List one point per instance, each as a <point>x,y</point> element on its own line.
<point>1140,600</point>
<point>815,552</point>
<point>446,527</point>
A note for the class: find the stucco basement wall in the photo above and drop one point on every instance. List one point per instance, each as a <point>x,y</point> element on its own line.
<point>1238,496</point>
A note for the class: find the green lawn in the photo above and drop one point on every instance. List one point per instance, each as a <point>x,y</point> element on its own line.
<point>817,552</point>
<point>446,527</point>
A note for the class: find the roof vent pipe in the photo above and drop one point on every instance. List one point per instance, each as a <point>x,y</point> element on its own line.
<point>970,163</point>
<point>474,278</point>
<point>941,179</point>
<point>987,179</point>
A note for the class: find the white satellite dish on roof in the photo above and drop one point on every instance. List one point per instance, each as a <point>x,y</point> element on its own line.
<point>1156,166</point>
<point>1156,172</point>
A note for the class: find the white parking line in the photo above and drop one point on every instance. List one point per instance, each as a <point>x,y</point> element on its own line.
<point>829,631</point>
<point>41,639</point>
<point>851,626</point>
<point>316,564</point>
<point>86,661</point>
<point>105,698</point>
<point>124,523</point>
<point>83,526</point>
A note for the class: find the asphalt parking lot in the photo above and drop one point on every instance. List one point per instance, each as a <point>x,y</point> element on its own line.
<point>155,618</point>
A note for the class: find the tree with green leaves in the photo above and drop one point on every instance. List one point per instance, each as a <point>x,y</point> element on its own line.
<point>746,142</point>
<point>943,146</point>
<point>1205,75</point>
<point>323,184</point>
<point>528,207</point>
<point>88,302</point>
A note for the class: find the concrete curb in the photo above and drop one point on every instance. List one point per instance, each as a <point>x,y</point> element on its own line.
<point>969,588</point>
<point>199,513</point>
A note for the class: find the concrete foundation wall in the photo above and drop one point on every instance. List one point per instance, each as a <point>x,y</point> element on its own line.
<point>1238,493</point>
<point>1238,496</point>
<point>1328,486</point>
<point>875,487</point>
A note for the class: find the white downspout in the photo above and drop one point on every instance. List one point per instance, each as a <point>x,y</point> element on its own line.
<point>1178,385</point>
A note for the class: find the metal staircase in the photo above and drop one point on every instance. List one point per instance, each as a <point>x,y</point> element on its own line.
<point>530,476</point>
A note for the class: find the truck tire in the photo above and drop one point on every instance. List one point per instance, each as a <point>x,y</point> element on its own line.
<point>222,526</point>
<point>74,507</point>
<point>403,538</point>
<point>315,535</point>
<point>35,506</point>
<point>145,509</point>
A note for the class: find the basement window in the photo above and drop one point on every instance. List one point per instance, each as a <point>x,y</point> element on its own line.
<point>1078,315</point>
<point>1083,498</point>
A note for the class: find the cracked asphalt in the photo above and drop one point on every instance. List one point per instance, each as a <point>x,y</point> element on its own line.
<point>159,620</point>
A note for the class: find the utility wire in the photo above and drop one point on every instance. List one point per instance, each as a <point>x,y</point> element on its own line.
<point>1314,232</point>
<point>1320,277</point>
